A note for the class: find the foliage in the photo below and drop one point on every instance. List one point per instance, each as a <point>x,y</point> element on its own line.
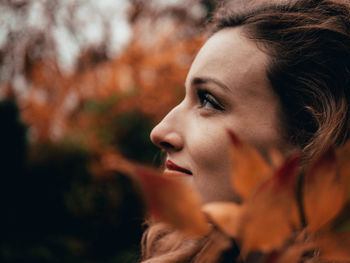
<point>287,215</point>
<point>60,200</point>
<point>55,208</point>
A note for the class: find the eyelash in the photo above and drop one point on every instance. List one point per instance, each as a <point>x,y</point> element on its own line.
<point>206,98</point>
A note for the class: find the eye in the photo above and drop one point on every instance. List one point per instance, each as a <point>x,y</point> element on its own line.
<point>207,100</point>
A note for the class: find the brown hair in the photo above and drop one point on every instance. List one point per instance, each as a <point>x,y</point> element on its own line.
<point>308,43</point>
<point>163,244</point>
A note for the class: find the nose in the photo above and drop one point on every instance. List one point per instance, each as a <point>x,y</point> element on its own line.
<point>167,134</point>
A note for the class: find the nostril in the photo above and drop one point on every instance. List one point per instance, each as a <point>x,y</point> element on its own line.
<point>167,145</point>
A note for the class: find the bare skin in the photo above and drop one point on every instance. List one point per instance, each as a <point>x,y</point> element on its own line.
<point>226,88</point>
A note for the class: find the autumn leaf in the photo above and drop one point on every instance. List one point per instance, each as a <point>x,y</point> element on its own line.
<point>272,214</point>
<point>324,192</point>
<point>225,215</point>
<point>173,202</point>
<point>291,254</point>
<point>334,246</point>
<point>248,168</point>
<point>116,162</point>
<point>299,249</point>
<point>343,154</point>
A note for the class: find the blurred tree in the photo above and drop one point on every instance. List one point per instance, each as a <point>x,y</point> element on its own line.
<point>84,94</point>
<point>13,152</point>
<point>54,209</point>
<point>155,62</point>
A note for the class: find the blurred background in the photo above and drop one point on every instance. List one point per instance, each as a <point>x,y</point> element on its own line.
<point>82,83</point>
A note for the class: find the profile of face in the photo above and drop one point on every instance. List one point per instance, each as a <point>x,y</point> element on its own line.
<point>226,88</point>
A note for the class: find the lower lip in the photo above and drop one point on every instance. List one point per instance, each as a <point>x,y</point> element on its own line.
<point>168,172</point>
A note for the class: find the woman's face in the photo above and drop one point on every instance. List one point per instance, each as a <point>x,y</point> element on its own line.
<point>226,88</point>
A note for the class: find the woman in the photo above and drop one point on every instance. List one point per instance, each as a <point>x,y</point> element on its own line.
<point>277,73</point>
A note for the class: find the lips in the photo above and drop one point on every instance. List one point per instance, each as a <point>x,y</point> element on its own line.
<point>174,167</point>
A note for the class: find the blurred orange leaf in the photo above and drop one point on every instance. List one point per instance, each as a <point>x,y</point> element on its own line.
<point>248,168</point>
<point>324,192</point>
<point>293,254</point>
<point>343,155</point>
<point>225,215</point>
<point>173,202</point>
<point>272,213</point>
<point>334,246</point>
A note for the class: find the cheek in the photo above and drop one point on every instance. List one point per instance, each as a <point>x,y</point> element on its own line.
<point>211,166</point>
<point>209,150</point>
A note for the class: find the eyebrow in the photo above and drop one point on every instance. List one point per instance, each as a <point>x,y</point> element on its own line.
<point>204,80</point>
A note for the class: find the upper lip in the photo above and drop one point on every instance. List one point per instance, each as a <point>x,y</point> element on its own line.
<point>172,166</point>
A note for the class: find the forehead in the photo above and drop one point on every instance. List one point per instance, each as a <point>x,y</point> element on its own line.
<point>231,58</point>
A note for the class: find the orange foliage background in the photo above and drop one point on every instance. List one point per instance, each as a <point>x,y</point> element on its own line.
<point>67,133</point>
<point>149,80</point>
